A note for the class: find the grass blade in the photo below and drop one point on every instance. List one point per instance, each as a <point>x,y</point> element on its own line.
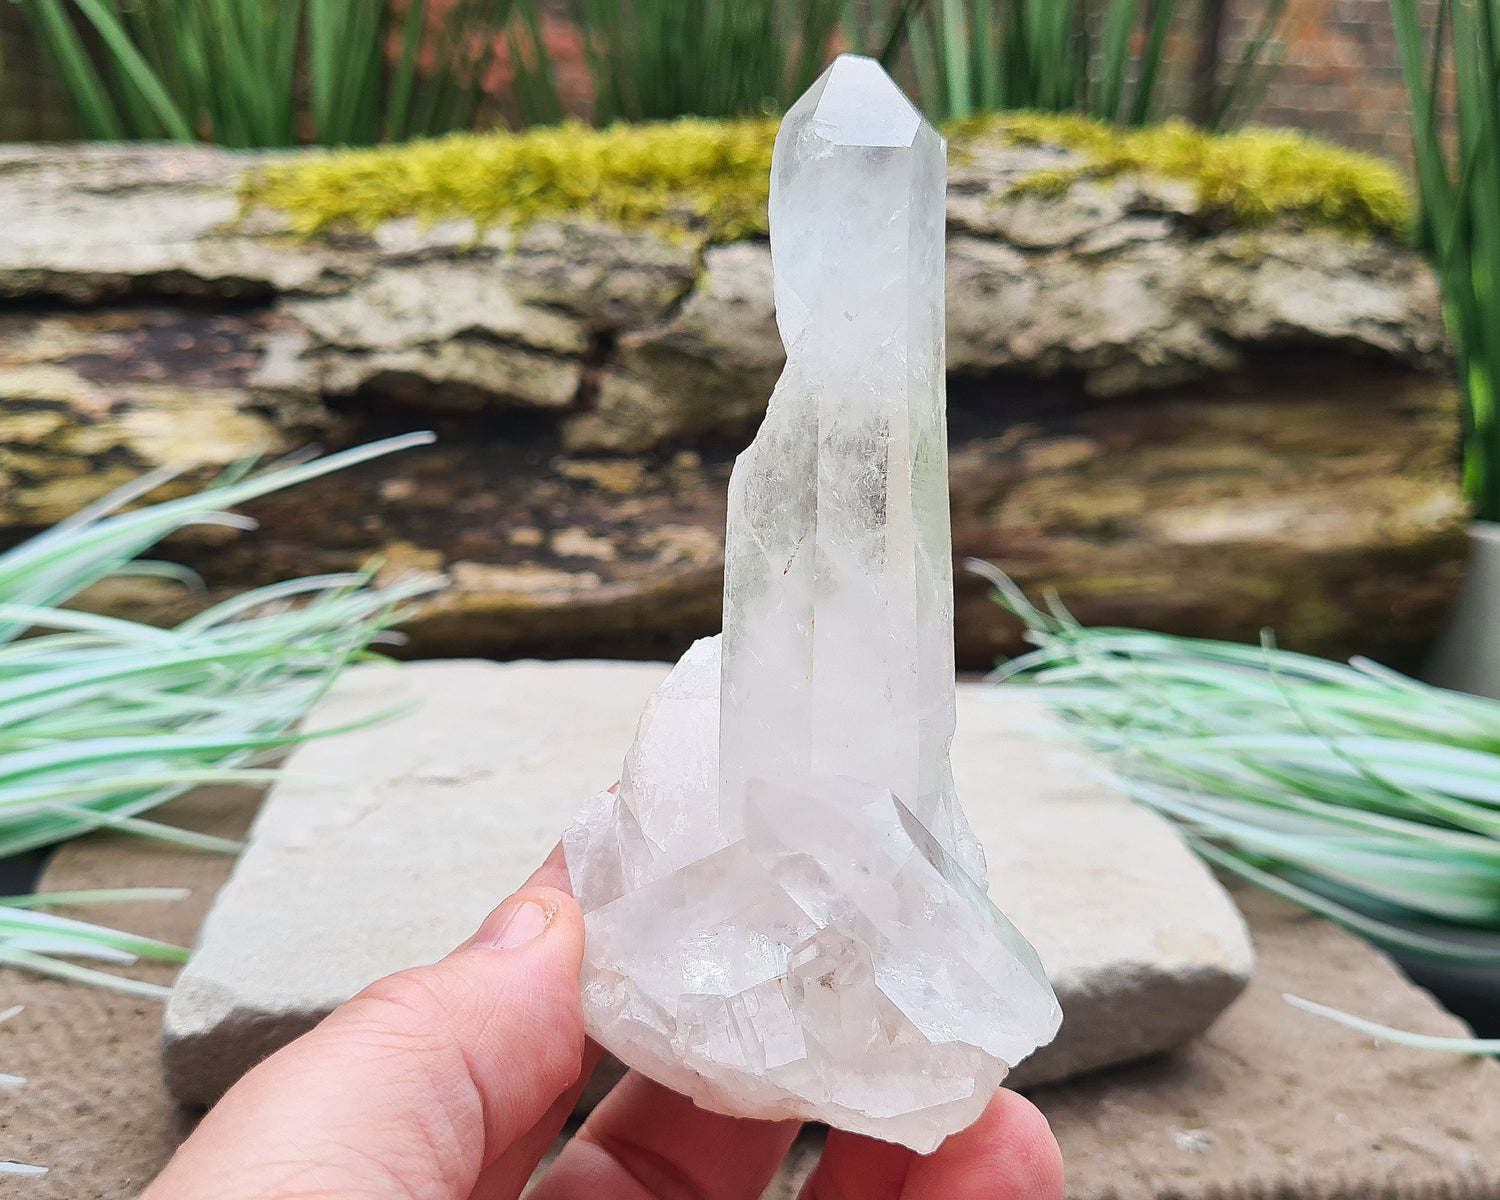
<point>89,95</point>
<point>1418,1041</point>
<point>131,64</point>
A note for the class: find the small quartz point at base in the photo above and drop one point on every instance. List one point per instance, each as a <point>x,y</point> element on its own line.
<point>835,963</point>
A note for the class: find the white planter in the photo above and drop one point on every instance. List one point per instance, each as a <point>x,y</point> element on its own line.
<point>1467,655</point>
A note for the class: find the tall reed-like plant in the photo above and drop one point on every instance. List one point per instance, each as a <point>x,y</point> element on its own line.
<point>657,59</point>
<point>1101,58</point>
<point>252,73</point>
<point>356,72</point>
<point>1458,178</point>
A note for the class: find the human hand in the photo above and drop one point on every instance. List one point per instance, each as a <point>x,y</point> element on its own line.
<point>449,1082</point>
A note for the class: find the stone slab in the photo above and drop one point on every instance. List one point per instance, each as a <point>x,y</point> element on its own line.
<point>1268,1103</point>
<point>386,847</point>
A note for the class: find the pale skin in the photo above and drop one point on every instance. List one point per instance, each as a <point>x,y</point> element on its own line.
<point>449,1082</point>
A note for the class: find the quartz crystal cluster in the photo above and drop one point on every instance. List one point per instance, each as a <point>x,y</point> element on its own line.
<point>785,906</point>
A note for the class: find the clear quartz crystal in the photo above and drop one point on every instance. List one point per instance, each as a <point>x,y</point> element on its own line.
<point>785,906</point>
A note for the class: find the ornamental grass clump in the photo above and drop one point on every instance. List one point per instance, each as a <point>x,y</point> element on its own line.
<point>1360,794</point>
<point>1357,793</point>
<point>103,720</point>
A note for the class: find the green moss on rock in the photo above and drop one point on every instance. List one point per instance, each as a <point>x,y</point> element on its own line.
<point>712,177</point>
<point>677,175</point>
<point>1245,178</point>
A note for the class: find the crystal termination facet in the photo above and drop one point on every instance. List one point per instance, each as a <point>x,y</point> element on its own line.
<point>785,905</point>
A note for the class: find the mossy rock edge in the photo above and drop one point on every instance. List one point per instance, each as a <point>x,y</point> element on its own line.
<point>710,180</point>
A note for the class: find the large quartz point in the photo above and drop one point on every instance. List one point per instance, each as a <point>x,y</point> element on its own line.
<point>785,906</point>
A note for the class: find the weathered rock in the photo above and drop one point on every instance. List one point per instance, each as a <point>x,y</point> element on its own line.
<point>1113,280</point>
<point>709,369</point>
<point>71,428</point>
<point>446,333</point>
<point>1158,516</point>
<point>506,753</point>
<point>432,302</point>
<point>1036,222</point>
<point>465,374</point>
<point>64,441</point>
<point>1127,304</point>
<point>85,222</point>
<point>1119,318</point>
<point>611,278</point>
<point>1271,288</point>
<point>1198,513</point>
<point>1315,493</point>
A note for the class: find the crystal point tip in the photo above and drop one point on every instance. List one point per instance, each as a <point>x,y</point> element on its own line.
<point>857,104</point>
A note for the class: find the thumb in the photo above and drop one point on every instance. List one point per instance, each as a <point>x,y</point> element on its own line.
<point>417,1084</point>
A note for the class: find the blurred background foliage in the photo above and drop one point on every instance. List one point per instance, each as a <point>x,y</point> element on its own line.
<point>267,73</point>
<point>247,73</point>
<point>1100,58</point>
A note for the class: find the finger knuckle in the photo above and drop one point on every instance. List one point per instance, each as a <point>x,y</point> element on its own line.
<point>405,1011</point>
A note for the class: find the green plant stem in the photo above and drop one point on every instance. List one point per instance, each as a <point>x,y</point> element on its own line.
<point>55,31</point>
<point>1102,58</point>
<point>352,72</point>
<point>1460,194</point>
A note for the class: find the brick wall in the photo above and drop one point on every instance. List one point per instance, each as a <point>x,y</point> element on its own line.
<point>1340,77</point>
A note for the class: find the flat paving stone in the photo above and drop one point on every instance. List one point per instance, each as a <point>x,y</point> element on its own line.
<point>385,847</point>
